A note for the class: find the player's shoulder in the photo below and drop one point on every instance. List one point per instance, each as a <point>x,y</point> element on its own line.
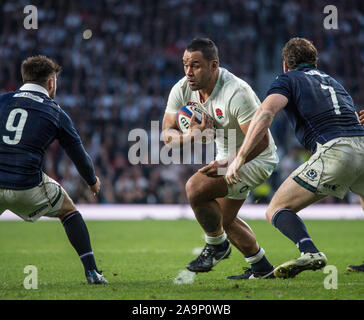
<point>181,90</point>
<point>35,98</point>
<point>181,86</point>
<point>5,96</point>
<point>285,79</point>
<point>232,84</point>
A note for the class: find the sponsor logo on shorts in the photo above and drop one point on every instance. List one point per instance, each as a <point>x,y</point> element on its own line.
<point>333,187</point>
<point>31,215</point>
<point>311,174</point>
<point>243,189</point>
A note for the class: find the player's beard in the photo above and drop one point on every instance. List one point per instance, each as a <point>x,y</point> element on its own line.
<point>198,85</point>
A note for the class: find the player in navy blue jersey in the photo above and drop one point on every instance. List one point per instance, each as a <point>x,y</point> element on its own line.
<point>30,120</point>
<point>325,122</point>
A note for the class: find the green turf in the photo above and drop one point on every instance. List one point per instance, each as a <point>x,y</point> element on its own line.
<point>140,259</point>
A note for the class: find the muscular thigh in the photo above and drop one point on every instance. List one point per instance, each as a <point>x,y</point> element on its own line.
<point>203,188</point>
<point>290,195</point>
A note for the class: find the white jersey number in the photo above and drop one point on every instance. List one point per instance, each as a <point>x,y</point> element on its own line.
<point>333,98</point>
<point>18,129</point>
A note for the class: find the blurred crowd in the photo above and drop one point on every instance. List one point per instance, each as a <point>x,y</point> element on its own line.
<point>119,78</point>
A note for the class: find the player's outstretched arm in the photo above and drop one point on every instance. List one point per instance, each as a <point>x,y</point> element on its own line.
<point>72,144</point>
<point>95,188</point>
<point>84,165</point>
<point>258,128</point>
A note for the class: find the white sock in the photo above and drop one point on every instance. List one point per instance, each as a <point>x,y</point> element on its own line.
<point>216,240</point>
<point>256,257</point>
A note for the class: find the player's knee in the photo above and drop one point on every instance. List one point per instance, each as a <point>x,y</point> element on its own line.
<point>194,190</point>
<point>273,209</point>
<point>67,208</point>
<point>269,214</point>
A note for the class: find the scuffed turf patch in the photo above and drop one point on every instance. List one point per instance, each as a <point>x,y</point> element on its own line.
<point>185,277</point>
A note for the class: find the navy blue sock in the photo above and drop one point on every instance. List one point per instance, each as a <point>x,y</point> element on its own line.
<point>262,265</point>
<point>78,235</point>
<point>259,262</point>
<point>291,225</point>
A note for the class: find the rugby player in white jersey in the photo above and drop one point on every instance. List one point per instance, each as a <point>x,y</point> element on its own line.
<point>231,103</point>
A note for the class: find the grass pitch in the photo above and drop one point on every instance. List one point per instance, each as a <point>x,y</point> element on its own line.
<point>141,259</point>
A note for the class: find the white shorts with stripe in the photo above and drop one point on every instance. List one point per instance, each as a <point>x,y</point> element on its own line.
<point>43,200</point>
<point>252,174</point>
<point>336,167</point>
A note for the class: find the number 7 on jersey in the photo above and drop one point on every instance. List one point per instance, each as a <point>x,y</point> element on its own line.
<point>333,98</point>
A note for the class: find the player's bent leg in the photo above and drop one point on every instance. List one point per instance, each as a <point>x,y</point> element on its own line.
<point>202,192</point>
<point>78,236</point>
<point>287,201</point>
<point>290,195</point>
<point>357,268</point>
<point>242,237</point>
<point>238,232</point>
<point>67,208</point>
<point>362,202</point>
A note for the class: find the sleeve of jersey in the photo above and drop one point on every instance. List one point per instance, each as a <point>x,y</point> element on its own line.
<point>243,105</point>
<point>71,143</point>
<point>175,100</point>
<point>281,85</point>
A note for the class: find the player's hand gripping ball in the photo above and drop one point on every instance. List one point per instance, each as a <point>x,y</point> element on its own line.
<point>206,128</point>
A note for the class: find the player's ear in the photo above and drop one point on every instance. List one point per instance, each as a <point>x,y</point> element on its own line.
<point>285,67</point>
<point>215,64</point>
<point>52,82</point>
<point>49,83</point>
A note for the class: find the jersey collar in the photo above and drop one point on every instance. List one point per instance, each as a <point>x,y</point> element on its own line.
<point>305,65</point>
<point>34,87</point>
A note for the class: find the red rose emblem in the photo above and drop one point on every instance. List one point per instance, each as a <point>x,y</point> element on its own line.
<point>219,113</point>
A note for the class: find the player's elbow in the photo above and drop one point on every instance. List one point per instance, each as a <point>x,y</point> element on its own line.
<point>266,115</point>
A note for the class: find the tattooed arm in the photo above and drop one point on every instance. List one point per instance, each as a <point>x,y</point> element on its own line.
<point>258,128</point>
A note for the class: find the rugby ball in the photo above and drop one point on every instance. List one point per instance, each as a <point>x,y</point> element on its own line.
<point>184,116</point>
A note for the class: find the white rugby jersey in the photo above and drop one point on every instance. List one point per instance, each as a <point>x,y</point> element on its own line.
<point>231,103</point>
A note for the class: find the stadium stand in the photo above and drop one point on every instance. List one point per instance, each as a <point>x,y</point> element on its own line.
<point>120,78</point>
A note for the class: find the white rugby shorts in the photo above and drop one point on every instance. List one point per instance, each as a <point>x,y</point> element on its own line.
<point>336,167</point>
<point>252,174</point>
<point>31,204</point>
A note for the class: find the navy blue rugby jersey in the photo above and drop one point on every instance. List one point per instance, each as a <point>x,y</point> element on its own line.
<point>319,108</point>
<point>29,122</point>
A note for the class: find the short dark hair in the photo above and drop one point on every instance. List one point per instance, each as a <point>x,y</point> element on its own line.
<point>206,46</point>
<point>38,69</point>
<point>297,51</point>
